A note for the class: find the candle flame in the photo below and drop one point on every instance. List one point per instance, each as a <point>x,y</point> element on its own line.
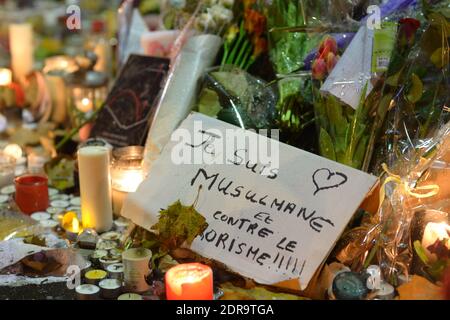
<point>5,77</point>
<point>129,181</point>
<point>13,150</point>
<point>75,225</point>
<point>433,232</point>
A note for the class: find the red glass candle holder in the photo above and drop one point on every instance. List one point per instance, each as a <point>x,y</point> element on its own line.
<point>189,281</point>
<point>32,193</point>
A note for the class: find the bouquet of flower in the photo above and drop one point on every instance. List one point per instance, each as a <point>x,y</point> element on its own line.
<point>346,134</point>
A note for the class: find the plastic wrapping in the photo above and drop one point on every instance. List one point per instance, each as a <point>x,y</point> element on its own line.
<point>234,96</point>
<point>409,234</point>
<point>351,104</point>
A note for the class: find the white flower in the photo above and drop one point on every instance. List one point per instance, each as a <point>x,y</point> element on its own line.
<point>206,21</point>
<point>220,14</point>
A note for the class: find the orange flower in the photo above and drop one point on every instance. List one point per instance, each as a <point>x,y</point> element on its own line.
<point>260,46</point>
<point>255,22</point>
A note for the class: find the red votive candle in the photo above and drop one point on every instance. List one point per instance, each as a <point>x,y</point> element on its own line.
<point>189,281</point>
<point>32,193</point>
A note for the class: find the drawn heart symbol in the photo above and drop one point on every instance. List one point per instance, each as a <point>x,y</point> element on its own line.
<point>326,179</point>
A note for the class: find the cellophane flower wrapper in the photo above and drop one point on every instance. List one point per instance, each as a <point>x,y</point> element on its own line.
<point>415,157</point>
<point>232,95</point>
<point>348,86</point>
<point>295,29</point>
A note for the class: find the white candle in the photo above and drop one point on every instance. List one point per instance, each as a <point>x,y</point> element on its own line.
<point>87,292</point>
<point>433,232</point>
<point>135,263</point>
<point>95,188</point>
<point>5,77</point>
<point>21,46</point>
<point>110,288</point>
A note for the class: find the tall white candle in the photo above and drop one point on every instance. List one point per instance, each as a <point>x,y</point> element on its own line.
<point>21,45</point>
<point>95,188</point>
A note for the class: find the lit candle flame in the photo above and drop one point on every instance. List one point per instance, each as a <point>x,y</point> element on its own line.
<point>75,225</point>
<point>13,150</point>
<point>5,77</point>
<point>433,232</point>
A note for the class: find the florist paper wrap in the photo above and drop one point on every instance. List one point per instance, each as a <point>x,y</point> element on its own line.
<point>180,91</point>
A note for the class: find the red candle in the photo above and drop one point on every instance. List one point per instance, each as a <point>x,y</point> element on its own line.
<point>32,193</point>
<point>189,281</point>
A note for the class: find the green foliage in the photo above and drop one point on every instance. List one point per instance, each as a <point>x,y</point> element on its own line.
<point>178,224</point>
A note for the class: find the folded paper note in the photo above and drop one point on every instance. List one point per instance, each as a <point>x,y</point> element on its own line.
<point>271,218</point>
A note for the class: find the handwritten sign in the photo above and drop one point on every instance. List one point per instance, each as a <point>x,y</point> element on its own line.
<point>267,223</point>
<point>125,119</point>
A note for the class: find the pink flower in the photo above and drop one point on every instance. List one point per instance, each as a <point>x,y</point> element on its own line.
<point>332,60</point>
<point>328,45</point>
<point>319,69</point>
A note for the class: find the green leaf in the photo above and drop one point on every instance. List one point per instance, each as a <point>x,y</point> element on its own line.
<point>440,57</point>
<point>420,252</point>
<point>394,79</point>
<point>178,224</point>
<point>416,90</point>
<point>209,103</point>
<point>326,145</point>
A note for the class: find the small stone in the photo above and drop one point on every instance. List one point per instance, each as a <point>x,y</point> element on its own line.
<point>349,286</point>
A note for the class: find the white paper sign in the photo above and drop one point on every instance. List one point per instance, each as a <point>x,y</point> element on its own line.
<point>269,224</point>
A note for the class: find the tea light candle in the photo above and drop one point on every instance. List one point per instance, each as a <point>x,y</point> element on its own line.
<point>130,296</point>
<point>136,269</point>
<point>110,288</point>
<point>115,271</point>
<point>84,105</point>
<point>386,291</point>
<point>97,255</point>
<point>50,224</point>
<point>3,198</point>
<point>121,224</point>
<point>87,292</point>
<point>21,47</point>
<point>190,281</point>
<point>71,225</point>
<point>111,236</point>
<point>8,190</point>
<point>95,188</point>
<point>433,232</point>
<point>40,216</point>
<point>95,276</point>
<point>5,77</point>
<point>107,261</point>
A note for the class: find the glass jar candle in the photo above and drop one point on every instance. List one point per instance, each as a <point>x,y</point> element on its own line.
<point>32,193</point>
<point>126,174</point>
